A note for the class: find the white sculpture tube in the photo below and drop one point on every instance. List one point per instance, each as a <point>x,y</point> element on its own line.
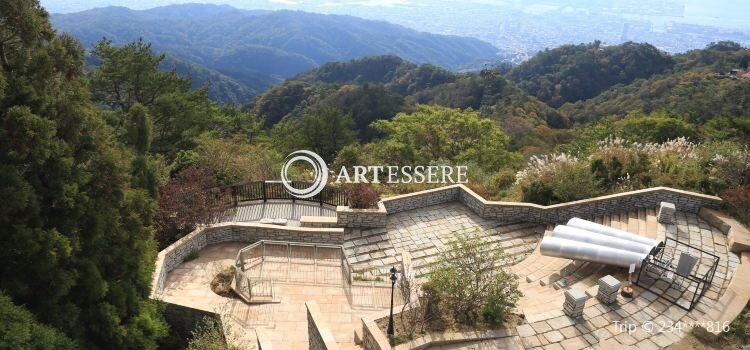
<point>613,232</point>
<point>577,234</point>
<point>569,249</point>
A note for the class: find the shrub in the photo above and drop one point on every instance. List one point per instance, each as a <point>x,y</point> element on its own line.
<point>567,182</point>
<point>362,195</point>
<point>209,335</point>
<point>185,202</point>
<point>191,256</point>
<point>737,202</point>
<point>468,282</point>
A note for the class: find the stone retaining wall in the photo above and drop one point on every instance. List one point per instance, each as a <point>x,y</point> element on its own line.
<point>362,218</point>
<point>422,199</point>
<point>319,335</point>
<point>528,212</point>
<point>523,212</point>
<point>184,320</point>
<point>175,254</point>
<point>372,337</point>
<point>318,221</point>
<point>588,208</point>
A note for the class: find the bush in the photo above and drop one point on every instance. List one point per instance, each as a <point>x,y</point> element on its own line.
<point>737,202</point>
<point>191,256</point>
<point>568,182</point>
<point>468,282</point>
<point>209,335</point>
<point>362,195</point>
<point>185,202</point>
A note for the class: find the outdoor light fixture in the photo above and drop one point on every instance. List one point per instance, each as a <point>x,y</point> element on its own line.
<point>393,285</point>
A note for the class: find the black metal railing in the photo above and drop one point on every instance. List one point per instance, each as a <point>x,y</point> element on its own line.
<point>265,190</point>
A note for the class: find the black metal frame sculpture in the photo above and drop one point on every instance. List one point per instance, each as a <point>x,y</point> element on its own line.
<point>672,288</point>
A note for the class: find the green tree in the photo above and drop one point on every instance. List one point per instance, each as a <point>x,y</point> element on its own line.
<point>365,103</point>
<point>433,133</point>
<point>129,76</point>
<point>78,247</point>
<point>656,127</point>
<point>139,136</point>
<point>324,132</point>
<point>19,330</point>
<point>468,281</point>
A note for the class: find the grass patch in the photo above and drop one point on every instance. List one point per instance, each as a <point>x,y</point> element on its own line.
<point>191,256</point>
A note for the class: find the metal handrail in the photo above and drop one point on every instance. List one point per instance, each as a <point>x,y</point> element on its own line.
<point>274,189</point>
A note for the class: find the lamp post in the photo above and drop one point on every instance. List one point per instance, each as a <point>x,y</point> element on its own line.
<point>390,319</point>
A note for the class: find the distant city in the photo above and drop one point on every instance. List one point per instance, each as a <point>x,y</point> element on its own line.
<point>520,29</point>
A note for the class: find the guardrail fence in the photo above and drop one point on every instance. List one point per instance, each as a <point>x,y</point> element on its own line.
<point>265,190</point>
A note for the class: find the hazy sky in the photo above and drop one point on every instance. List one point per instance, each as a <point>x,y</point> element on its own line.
<point>719,13</point>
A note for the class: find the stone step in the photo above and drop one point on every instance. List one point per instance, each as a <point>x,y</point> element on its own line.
<point>423,266</point>
<point>565,271</point>
<point>586,270</point>
<point>652,225</point>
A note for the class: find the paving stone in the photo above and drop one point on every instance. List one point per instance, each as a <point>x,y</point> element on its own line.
<point>555,346</point>
<point>602,334</point>
<point>560,322</point>
<point>554,336</point>
<point>541,327</point>
<point>574,343</point>
<point>599,322</point>
<point>625,339</point>
<point>531,342</point>
<point>525,330</point>
<point>646,345</point>
<point>590,339</point>
<point>661,340</point>
<point>570,332</point>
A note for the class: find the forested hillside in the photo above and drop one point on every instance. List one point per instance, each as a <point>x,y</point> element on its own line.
<point>699,88</point>
<point>641,100</point>
<point>572,73</point>
<point>257,48</point>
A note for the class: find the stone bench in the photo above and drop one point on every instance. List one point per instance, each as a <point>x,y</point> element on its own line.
<point>738,237</point>
<point>280,222</point>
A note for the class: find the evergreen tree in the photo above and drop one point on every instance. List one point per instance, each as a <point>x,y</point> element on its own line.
<point>78,248</point>
<point>129,76</point>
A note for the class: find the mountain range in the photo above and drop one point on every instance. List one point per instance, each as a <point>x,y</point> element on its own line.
<point>242,52</point>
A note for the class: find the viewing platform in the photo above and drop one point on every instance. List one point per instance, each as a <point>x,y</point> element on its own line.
<point>421,225</point>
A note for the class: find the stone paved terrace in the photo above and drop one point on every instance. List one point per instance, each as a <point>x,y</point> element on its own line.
<point>425,231</point>
<point>255,211</point>
<point>549,328</point>
<point>284,323</point>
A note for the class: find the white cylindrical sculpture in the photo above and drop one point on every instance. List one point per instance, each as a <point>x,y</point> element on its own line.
<point>581,235</point>
<point>570,249</point>
<point>611,231</point>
